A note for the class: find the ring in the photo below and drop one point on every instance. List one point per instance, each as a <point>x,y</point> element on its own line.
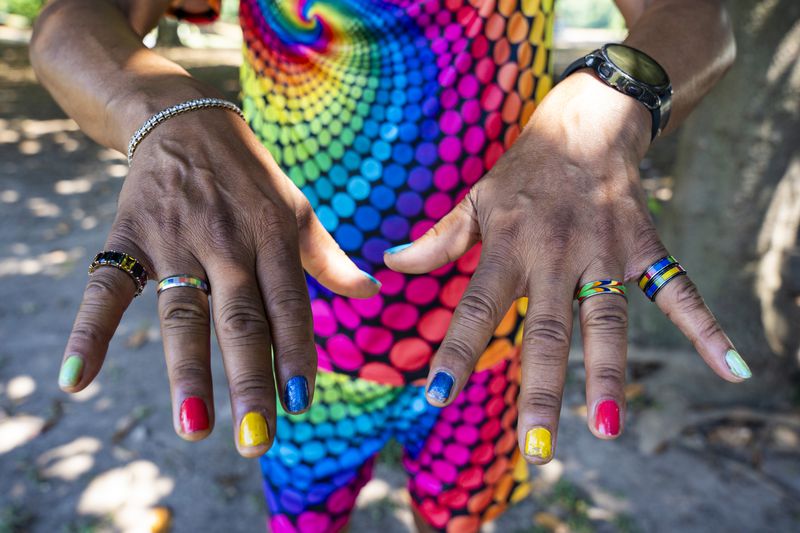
<point>659,274</point>
<point>602,286</point>
<point>182,280</point>
<point>127,263</point>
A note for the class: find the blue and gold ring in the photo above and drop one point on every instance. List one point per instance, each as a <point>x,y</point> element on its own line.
<point>659,274</point>
<point>182,280</point>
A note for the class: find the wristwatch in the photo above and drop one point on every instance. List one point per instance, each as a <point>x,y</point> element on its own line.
<point>634,73</point>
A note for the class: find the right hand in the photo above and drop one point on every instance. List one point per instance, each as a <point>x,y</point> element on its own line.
<point>205,198</point>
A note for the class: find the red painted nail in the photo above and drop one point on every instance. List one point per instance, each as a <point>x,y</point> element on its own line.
<point>194,416</point>
<point>606,418</point>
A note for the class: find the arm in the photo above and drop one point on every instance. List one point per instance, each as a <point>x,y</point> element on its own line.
<point>564,207</point>
<point>202,198</point>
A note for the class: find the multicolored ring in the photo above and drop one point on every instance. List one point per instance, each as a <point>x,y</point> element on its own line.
<point>124,262</point>
<point>182,280</point>
<point>602,286</point>
<point>659,274</point>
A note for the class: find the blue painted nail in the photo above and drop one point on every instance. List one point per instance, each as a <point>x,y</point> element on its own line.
<point>296,395</point>
<point>398,248</point>
<point>440,386</point>
<point>371,278</point>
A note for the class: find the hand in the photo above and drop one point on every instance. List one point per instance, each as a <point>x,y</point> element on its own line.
<point>564,206</point>
<point>204,198</point>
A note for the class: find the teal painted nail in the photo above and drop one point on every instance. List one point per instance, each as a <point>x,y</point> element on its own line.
<point>71,371</point>
<point>398,248</point>
<point>371,278</point>
<point>737,364</point>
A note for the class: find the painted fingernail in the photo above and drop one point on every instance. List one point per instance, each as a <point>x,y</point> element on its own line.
<point>606,418</point>
<point>371,278</point>
<point>71,371</point>
<point>440,387</point>
<point>296,394</point>
<point>737,365</point>
<point>398,248</point>
<point>253,430</point>
<point>538,443</point>
<point>194,415</point>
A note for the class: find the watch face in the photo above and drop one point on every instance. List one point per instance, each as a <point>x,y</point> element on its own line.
<point>637,65</point>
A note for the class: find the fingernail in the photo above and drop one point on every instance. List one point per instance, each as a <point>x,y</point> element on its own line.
<point>253,430</point>
<point>538,443</point>
<point>71,371</point>
<point>737,365</point>
<point>371,278</point>
<point>296,394</point>
<point>398,248</point>
<point>606,418</point>
<point>194,415</point>
<point>440,386</point>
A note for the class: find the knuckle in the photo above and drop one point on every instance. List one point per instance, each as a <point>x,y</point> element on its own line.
<point>87,331</point>
<point>606,317</point>
<point>540,400</point>
<point>687,297</point>
<point>479,307</point>
<point>242,319</point>
<point>253,383</point>
<point>184,313</point>
<point>550,333</point>
<point>610,375</point>
<point>189,372</point>
<point>458,353</point>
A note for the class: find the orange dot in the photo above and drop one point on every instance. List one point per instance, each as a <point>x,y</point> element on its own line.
<point>464,524</point>
<point>381,373</point>
<point>434,324</point>
<point>497,351</point>
<point>507,7</point>
<point>517,28</point>
<point>495,26</point>
<point>503,488</point>
<point>502,51</point>
<point>410,354</point>
<point>525,84</point>
<point>510,111</point>
<point>507,76</point>
<point>494,511</point>
<point>524,54</point>
<point>453,290</point>
<point>507,324</point>
<point>494,472</point>
<point>480,501</point>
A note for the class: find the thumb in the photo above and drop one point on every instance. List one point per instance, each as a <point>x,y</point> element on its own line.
<point>446,241</point>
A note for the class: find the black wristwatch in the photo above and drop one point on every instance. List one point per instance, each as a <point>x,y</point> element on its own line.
<point>634,73</point>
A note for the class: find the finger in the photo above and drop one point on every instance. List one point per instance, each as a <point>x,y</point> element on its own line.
<point>604,327</point>
<point>185,330</point>
<point>680,300</point>
<point>106,297</point>
<point>486,300</point>
<point>446,241</point>
<point>327,262</point>
<point>545,350</point>
<point>241,326</point>
<point>285,293</point>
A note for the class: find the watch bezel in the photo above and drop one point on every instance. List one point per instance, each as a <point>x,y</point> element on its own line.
<point>651,95</point>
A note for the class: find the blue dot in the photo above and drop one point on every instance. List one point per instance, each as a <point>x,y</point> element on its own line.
<point>370,128</point>
<point>324,468</point>
<point>400,79</point>
<point>327,217</point>
<point>338,175</point>
<point>413,113</point>
<point>378,113</point>
<point>281,476</point>
<point>312,451</point>
<point>389,132</point>
<point>381,150</point>
<point>394,228</point>
<point>426,153</point>
<point>358,188</point>
<point>351,459</point>
<point>289,454</point>
<point>373,249</point>
<point>362,144</point>
<point>343,204</point>
<point>302,431</point>
<point>344,429</point>
<point>302,476</point>
<point>414,94</point>
<point>394,176</point>
<point>348,237</point>
<point>382,197</point>
<point>409,204</point>
<point>351,160</point>
<point>324,188</point>
<point>324,430</point>
<point>420,179</point>
<point>382,97</point>
<point>408,132</point>
<point>363,424</point>
<point>367,218</point>
<point>395,113</point>
<point>398,97</point>
<point>430,72</point>
<point>311,196</point>
<point>371,169</point>
<point>429,130</point>
<point>402,153</point>
<point>430,107</point>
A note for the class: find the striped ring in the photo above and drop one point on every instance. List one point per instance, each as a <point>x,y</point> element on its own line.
<point>182,280</point>
<point>602,286</point>
<point>659,274</point>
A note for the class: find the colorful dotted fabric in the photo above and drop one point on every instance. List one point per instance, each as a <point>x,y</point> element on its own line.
<point>384,113</point>
<point>463,461</point>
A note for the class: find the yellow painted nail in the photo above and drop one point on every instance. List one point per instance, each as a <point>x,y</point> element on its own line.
<point>538,443</point>
<point>253,430</point>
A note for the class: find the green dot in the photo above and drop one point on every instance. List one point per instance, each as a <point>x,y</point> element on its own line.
<point>362,109</point>
<point>347,136</point>
<point>336,127</point>
<point>300,152</point>
<point>323,161</point>
<point>336,149</point>
<point>289,157</point>
<point>346,115</point>
<point>315,126</point>
<point>318,414</point>
<point>297,177</point>
<point>311,145</point>
<point>324,138</point>
<point>310,170</point>
<point>357,123</point>
<point>338,411</point>
<point>331,396</point>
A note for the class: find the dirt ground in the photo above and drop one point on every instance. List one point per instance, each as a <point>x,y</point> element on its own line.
<point>698,455</point>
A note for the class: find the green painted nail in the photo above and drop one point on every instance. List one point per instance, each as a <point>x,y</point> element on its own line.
<point>71,371</point>
<point>737,364</point>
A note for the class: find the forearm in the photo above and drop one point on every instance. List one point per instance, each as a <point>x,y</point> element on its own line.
<point>692,40</point>
<point>89,55</point>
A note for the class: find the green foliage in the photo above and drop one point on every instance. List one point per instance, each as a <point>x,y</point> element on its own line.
<point>25,8</point>
<point>589,14</point>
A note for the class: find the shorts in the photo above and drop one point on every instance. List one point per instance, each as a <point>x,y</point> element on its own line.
<point>463,461</point>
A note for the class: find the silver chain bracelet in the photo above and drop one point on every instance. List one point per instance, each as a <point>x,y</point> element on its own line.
<point>161,116</point>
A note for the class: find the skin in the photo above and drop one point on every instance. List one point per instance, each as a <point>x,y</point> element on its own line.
<point>562,207</point>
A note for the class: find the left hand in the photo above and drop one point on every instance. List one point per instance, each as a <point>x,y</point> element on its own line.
<point>562,207</point>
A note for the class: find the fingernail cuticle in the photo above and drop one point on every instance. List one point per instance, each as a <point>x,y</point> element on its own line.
<point>371,278</point>
<point>193,415</point>
<point>606,418</point>
<point>253,430</point>
<point>71,371</point>
<point>538,443</point>
<point>398,248</point>
<point>440,387</point>
<point>737,365</point>
<point>296,394</point>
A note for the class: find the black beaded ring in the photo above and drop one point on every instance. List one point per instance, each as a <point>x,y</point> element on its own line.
<point>124,262</point>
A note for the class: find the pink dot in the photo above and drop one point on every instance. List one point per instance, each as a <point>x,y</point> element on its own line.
<point>493,124</point>
<point>369,307</point>
<point>471,111</point>
<point>473,27</point>
<point>449,98</point>
<point>345,313</point>
<point>491,429</point>
<point>456,453</point>
<point>443,61</point>
<point>473,414</point>
<point>492,154</point>
<point>491,98</point>
<point>344,353</point>
<point>444,431</point>
<point>452,32</point>
<point>458,47</point>
<point>324,321</point>
<point>472,170</point>
<point>311,522</point>
<point>445,471</point>
<point>450,122</point>
<point>419,229</point>
<point>439,45</point>
<point>427,484</point>
<point>484,70</point>
<point>450,414</point>
<point>391,282</point>
<point>434,324</point>
<point>282,523</point>
<point>437,205</point>
<point>450,149</point>
<point>467,434</point>
<point>323,359</point>
<point>474,140</point>
<point>480,47</point>
<point>463,62</point>
<point>399,316</point>
<point>447,77</point>
<point>340,501</point>
<point>445,177</point>
<point>410,354</point>
<point>422,290</point>
<point>373,340</point>
<point>468,86</point>
<point>434,445</point>
<point>476,394</point>
<point>442,17</point>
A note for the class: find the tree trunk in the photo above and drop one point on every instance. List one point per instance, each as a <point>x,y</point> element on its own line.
<point>735,215</point>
